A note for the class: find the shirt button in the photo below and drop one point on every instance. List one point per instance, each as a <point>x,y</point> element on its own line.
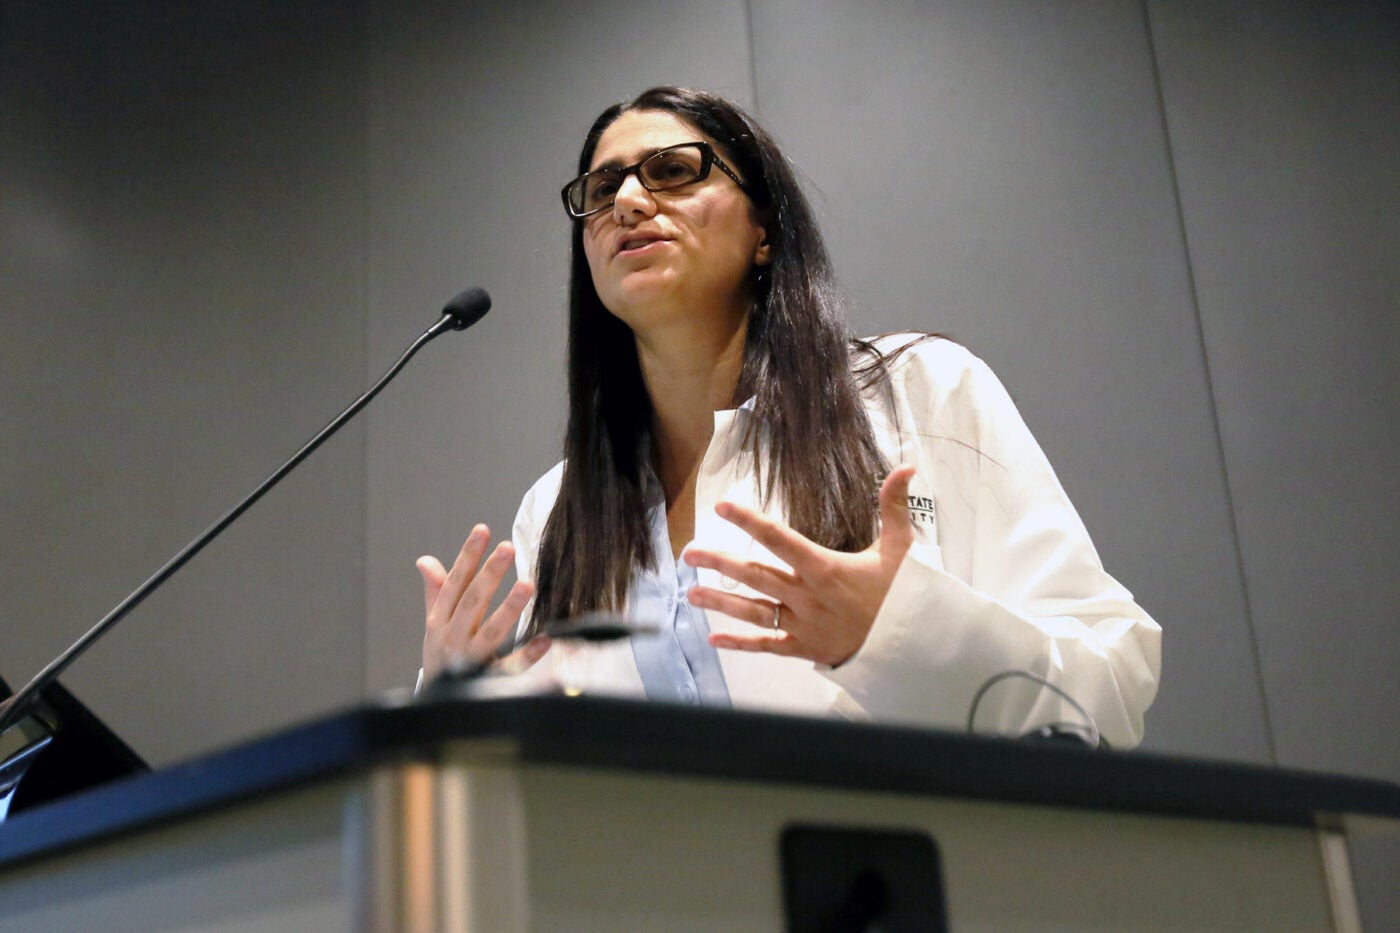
<point>728,583</point>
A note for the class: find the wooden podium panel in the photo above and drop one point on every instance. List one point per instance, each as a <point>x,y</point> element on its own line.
<point>585,814</point>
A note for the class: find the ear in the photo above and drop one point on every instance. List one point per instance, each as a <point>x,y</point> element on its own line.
<point>763,253</point>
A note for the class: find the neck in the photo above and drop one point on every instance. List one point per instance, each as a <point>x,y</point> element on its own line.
<point>690,373</point>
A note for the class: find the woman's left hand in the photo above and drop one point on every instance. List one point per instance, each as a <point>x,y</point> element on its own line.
<point>827,603</point>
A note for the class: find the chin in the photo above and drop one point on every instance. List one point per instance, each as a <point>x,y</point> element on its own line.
<point>639,301</point>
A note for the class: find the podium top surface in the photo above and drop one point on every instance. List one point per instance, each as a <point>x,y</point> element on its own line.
<point>598,733</point>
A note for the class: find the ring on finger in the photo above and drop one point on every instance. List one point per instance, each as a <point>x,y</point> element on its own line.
<point>777,615</point>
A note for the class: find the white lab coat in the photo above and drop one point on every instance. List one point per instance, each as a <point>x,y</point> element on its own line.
<point>1003,577</point>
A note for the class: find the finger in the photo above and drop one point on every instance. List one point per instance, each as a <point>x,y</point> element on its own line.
<point>782,643</point>
<point>777,537</point>
<point>526,656</point>
<point>503,621</point>
<point>771,581</point>
<point>896,526</point>
<point>471,608</point>
<point>464,567</point>
<point>434,575</point>
<point>754,611</point>
<point>535,648</point>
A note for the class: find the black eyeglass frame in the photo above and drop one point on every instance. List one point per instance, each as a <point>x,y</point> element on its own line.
<point>707,158</point>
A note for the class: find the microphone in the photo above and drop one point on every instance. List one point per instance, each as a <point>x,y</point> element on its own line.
<point>470,306</point>
<point>592,627</point>
<point>460,313</point>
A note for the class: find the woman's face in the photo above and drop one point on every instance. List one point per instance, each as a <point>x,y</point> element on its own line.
<point>679,256</point>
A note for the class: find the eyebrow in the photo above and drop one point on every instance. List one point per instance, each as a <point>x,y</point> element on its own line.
<point>613,165</point>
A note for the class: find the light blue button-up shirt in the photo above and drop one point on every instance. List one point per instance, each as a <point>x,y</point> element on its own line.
<point>677,664</point>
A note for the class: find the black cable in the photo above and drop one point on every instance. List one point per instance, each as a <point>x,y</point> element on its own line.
<point>1094,739</point>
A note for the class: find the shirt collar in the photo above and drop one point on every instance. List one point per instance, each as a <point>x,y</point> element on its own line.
<point>652,493</point>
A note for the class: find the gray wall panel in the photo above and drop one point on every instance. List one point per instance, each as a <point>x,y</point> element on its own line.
<point>179,265</point>
<point>476,116</point>
<point>1286,137</point>
<point>1285,122</point>
<point>998,172</point>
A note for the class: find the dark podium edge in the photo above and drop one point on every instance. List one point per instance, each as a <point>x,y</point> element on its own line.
<point>599,733</point>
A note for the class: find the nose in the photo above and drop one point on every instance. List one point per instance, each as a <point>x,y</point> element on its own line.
<point>633,199</point>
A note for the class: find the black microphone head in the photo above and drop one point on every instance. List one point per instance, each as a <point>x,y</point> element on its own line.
<point>470,306</point>
<point>597,626</point>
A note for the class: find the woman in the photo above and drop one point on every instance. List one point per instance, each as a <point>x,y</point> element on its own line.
<point>726,442</point>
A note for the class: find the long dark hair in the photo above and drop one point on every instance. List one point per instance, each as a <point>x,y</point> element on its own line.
<point>812,439</point>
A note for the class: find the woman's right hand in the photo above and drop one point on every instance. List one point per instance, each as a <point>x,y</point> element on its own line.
<point>458,627</point>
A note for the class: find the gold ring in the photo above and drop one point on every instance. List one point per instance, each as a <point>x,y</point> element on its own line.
<point>777,614</point>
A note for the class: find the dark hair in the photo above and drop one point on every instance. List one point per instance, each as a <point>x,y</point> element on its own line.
<point>813,438</point>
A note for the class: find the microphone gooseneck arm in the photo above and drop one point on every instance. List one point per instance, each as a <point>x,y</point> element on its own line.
<point>460,313</point>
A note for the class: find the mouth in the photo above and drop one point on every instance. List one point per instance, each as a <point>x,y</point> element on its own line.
<point>636,244</point>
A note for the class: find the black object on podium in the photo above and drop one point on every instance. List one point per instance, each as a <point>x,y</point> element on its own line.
<point>81,752</point>
<point>842,880</point>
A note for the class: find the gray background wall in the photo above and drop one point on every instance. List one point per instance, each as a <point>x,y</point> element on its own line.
<point>1170,228</point>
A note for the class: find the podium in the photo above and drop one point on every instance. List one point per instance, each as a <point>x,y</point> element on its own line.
<point>581,814</point>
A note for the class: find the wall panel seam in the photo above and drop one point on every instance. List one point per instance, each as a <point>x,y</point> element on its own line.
<point>1184,234</point>
<point>753,54</point>
<point>366,55</point>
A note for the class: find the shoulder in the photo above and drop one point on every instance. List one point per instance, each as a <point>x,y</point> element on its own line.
<point>934,387</point>
<point>922,364</point>
<point>535,506</point>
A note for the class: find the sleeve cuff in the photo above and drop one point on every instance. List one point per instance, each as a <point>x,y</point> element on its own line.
<point>936,640</point>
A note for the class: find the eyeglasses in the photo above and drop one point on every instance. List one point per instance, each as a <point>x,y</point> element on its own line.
<point>672,167</point>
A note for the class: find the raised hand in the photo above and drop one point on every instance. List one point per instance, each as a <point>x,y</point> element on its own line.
<point>458,626</point>
<point>824,607</point>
